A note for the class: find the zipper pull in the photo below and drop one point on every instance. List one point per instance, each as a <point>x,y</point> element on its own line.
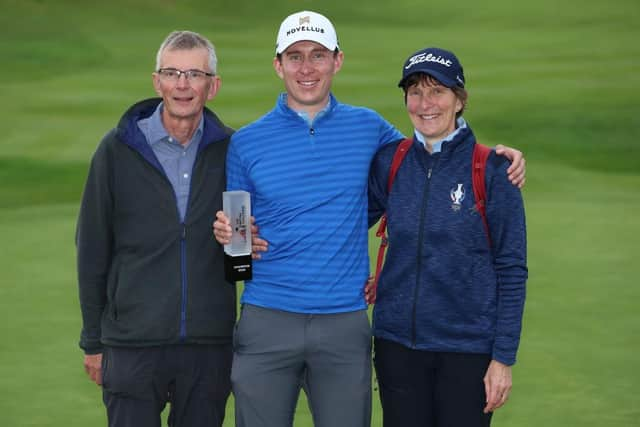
<point>429,174</point>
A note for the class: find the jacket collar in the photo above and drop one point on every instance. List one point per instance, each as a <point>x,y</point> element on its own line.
<point>128,132</point>
<point>457,140</point>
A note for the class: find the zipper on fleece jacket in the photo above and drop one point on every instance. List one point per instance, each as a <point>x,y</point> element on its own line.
<point>183,273</point>
<point>183,249</point>
<point>423,210</point>
<point>184,285</point>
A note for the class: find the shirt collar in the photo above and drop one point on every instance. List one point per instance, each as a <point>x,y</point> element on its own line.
<point>437,146</point>
<point>155,132</point>
<point>305,115</point>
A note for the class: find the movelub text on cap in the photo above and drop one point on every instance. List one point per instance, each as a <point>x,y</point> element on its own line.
<point>306,25</point>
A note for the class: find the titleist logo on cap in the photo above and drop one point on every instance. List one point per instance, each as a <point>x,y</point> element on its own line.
<point>417,59</point>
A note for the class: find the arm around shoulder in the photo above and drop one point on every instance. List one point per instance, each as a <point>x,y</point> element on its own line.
<point>517,170</point>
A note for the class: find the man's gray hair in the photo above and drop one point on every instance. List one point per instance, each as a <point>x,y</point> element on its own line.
<point>187,40</point>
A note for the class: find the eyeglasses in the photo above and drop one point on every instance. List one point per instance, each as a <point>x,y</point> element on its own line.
<point>192,76</point>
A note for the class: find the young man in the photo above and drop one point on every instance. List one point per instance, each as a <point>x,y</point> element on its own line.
<point>306,162</point>
<point>157,313</point>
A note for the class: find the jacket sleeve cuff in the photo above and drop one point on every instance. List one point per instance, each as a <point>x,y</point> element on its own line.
<point>91,347</point>
<point>503,357</point>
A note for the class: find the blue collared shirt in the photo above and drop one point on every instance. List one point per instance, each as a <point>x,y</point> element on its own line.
<point>437,146</point>
<point>176,159</point>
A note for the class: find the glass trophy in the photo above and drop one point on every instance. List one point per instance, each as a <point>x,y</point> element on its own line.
<point>237,254</point>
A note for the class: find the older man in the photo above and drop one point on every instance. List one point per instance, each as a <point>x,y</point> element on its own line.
<point>157,313</point>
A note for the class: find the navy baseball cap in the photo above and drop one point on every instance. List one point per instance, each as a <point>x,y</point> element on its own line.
<point>438,63</point>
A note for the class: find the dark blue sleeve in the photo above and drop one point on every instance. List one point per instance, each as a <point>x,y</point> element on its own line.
<point>506,218</point>
<point>377,188</point>
<point>94,242</point>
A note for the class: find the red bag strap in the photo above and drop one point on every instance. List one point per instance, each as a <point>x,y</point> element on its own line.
<point>398,157</point>
<point>479,162</point>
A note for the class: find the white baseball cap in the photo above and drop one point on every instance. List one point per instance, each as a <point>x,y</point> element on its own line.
<point>306,25</point>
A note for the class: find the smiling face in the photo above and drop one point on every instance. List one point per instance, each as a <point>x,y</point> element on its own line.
<point>184,99</point>
<point>432,109</point>
<point>307,69</point>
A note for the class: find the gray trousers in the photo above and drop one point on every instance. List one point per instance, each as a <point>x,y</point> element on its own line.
<point>277,353</point>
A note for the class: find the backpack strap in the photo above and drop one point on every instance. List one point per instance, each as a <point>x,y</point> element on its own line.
<point>398,157</point>
<point>479,163</point>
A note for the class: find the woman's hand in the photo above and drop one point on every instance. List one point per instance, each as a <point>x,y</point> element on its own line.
<point>497,385</point>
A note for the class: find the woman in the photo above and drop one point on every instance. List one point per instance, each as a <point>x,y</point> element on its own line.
<point>450,300</point>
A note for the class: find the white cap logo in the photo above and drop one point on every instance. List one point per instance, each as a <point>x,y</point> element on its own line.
<point>427,58</point>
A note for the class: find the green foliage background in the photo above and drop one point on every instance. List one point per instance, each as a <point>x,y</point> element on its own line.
<point>559,80</point>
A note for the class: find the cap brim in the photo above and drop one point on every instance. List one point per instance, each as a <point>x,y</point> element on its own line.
<point>445,81</point>
<point>280,50</point>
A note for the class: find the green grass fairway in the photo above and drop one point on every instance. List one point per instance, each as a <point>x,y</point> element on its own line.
<point>559,80</point>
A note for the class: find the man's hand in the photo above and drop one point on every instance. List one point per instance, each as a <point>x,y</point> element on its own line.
<point>370,291</point>
<point>257,244</point>
<point>222,228</point>
<point>497,385</point>
<point>93,367</point>
<point>517,169</point>
<point>222,232</point>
